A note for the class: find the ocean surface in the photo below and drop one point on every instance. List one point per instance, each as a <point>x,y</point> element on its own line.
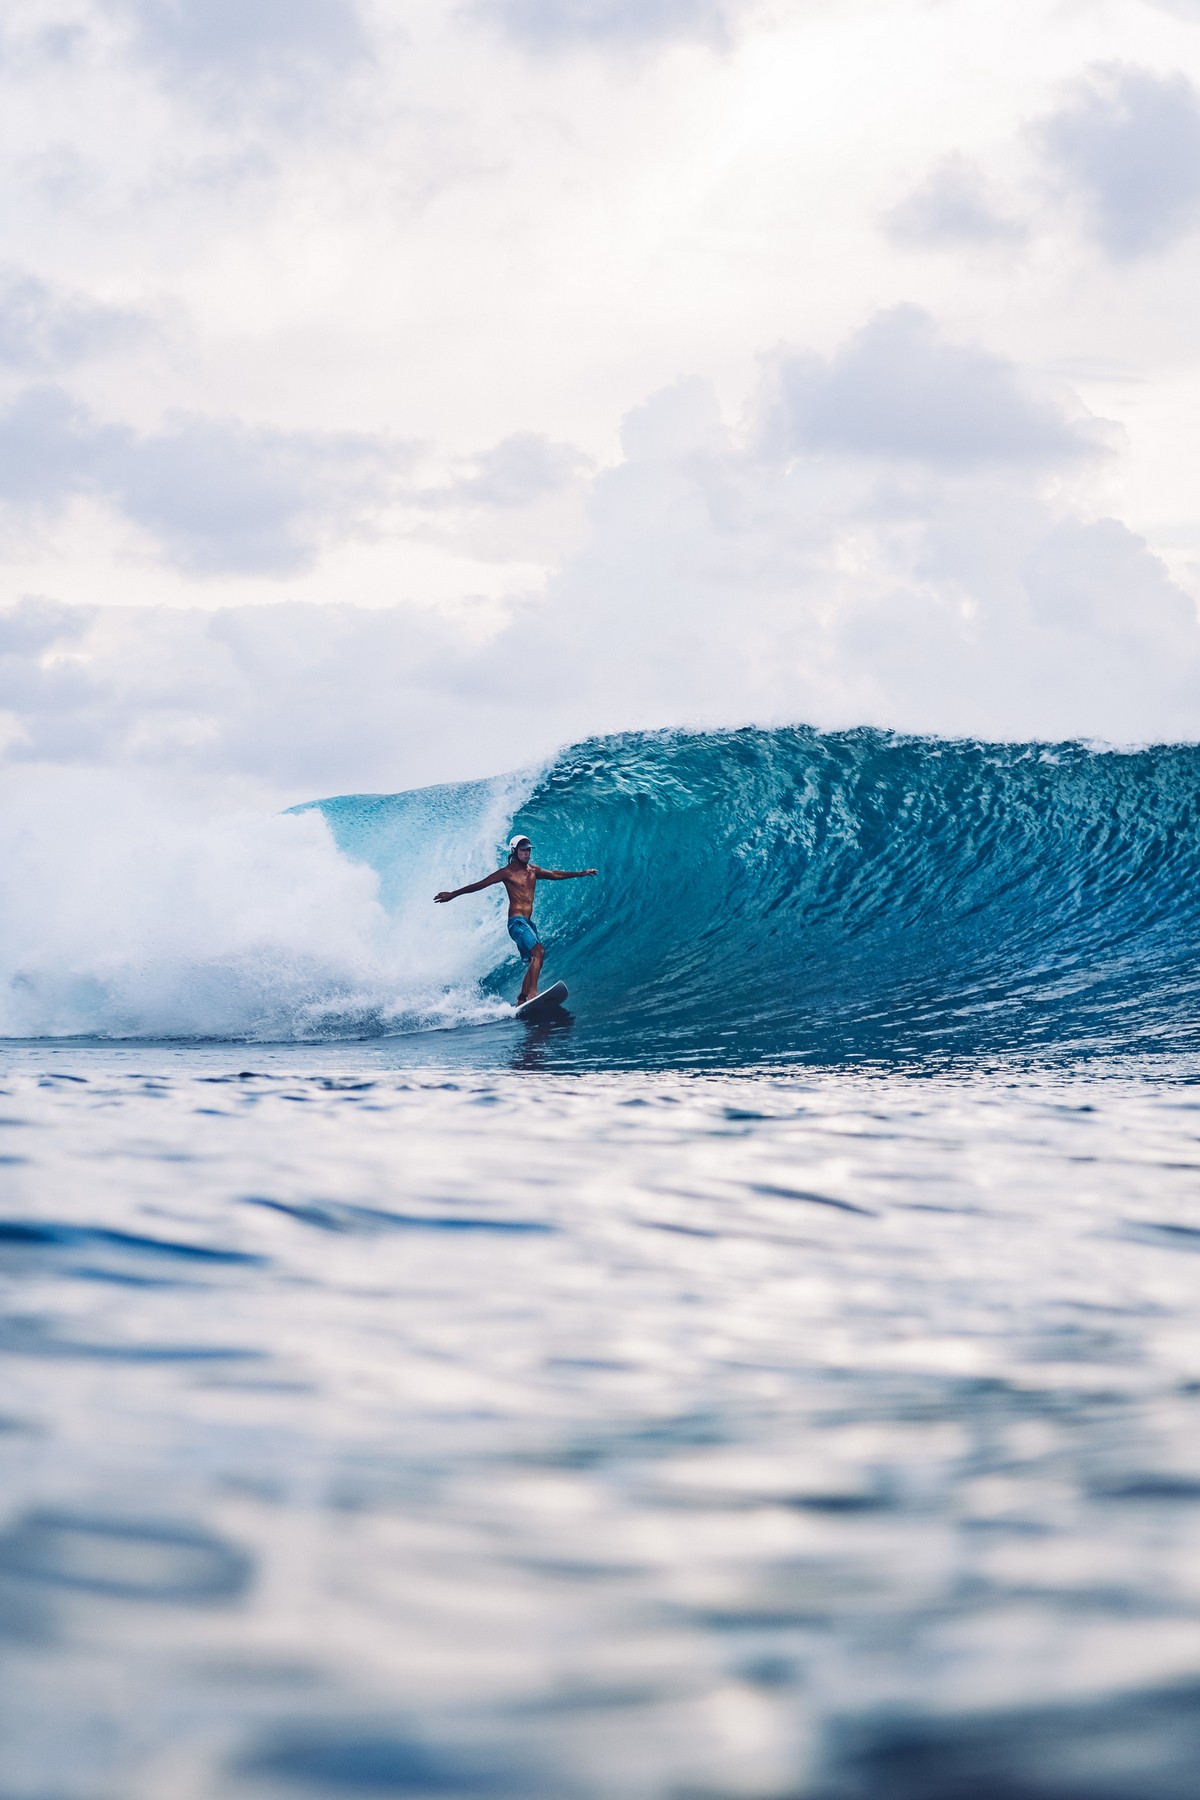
<point>776,1379</point>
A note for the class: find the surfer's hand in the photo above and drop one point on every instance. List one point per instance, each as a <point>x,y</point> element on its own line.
<point>438,898</point>
<point>591,871</point>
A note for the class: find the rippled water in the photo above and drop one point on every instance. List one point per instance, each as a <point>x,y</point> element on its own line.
<point>371,1429</point>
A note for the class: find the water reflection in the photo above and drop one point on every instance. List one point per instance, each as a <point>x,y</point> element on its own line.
<point>540,1041</point>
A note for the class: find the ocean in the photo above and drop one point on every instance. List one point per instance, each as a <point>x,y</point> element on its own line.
<point>776,1379</point>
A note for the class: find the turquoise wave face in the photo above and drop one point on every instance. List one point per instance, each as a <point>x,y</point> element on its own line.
<point>781,894</point>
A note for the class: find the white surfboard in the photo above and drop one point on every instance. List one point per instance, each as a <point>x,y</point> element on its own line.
<point>543,1004</point>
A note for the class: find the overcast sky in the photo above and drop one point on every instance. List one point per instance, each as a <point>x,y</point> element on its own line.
<point>389,393</point>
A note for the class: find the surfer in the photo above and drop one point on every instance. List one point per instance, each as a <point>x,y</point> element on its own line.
<point>520,876</point>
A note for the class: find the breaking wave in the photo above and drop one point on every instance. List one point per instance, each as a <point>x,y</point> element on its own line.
<point>764,894</point>
<point>768,893</point>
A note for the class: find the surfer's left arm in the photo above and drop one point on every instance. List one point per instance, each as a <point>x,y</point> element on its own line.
<point>564,874</point>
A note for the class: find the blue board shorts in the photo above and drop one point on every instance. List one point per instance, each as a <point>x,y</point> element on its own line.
<point>524,934</point>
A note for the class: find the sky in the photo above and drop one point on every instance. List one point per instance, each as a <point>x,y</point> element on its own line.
<point>391,394</point>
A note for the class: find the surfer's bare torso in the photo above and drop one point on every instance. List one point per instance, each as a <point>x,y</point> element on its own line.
<point>519,884</point>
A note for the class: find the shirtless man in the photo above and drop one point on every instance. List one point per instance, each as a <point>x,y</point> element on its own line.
<point>520,876</point>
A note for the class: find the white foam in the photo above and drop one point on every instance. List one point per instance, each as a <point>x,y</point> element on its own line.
<point>123,916</point>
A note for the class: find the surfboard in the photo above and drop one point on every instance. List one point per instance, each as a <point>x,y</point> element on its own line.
<point>544,1004</point>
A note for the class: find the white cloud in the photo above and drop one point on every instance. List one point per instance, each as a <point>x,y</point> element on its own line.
<point>1127,141</point>
<point>30,35</point>
<point>213,495</point>
<point>33,625</point>
<point>554,24</point>
<point>1099,579</point>
<point>519,503</point>
<point>900,389</point>
<point>224,54</point>
<point>44,326</point>
<point>218,496</point>
<point>520,470</point>
<point>719,587</point>
<point>954,207</point>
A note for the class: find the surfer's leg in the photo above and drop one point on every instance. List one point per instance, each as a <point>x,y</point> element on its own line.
<point>529,986</point>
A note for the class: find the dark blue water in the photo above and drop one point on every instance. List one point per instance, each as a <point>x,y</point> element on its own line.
<point>808,1435</point>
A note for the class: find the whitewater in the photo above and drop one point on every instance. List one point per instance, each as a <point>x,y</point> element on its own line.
<point>776,1379</point>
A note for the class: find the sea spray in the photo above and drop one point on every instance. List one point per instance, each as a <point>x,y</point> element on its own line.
<point>121,917</point>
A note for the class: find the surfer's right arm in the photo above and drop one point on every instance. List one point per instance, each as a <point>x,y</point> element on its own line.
<point>472,887</point>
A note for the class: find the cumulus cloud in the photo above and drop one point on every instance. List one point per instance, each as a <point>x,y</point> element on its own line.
<point>35,624</point>
<point>217,496</point>
<point>214,495</point>
<point>719,588</point>
<point>44,326</point>
<point>27,42</point>
<point>555,24</point>
<point>225,53</point>
<point>303,699</point>
<point>954,206</point>
<point>522,469</point>
<point>1126,142</point>
<point>220,496</point>
<point>900,389</point>
<point>1102,579</point>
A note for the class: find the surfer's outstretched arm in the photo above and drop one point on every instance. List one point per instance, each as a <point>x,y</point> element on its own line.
<point>563,874</point>
<point>472,887</point>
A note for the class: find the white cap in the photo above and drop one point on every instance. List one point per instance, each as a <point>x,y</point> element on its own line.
<point>519,839</point>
